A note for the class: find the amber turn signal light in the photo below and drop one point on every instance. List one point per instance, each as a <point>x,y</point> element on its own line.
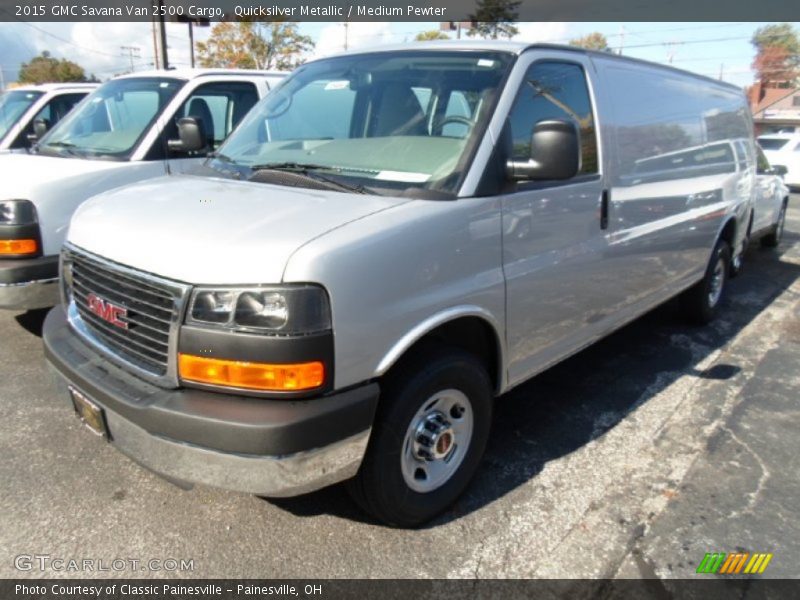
<point>251,375</point>
<point>18,247</point>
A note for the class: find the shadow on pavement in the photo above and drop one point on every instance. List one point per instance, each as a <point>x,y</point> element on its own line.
<point>580,399</point>
<point>33,320</point>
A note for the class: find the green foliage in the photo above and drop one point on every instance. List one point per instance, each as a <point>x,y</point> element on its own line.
<point>591,41</point>
<point>433,34</point>
<point>46,69</point>
<point>777,60</point>
<point>495,19</point>
<point>254,45</point>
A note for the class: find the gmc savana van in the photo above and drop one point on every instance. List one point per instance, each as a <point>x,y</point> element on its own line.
<point>389,241</point>
<point>28,111</point>
<point>119,135</point>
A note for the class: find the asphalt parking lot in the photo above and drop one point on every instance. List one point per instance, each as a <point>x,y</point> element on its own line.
<point>632,459</point>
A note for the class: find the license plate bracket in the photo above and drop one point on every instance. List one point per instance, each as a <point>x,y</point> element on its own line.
<point>89,413</point>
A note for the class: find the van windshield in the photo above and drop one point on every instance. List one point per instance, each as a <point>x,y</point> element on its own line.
<point>12,106</point>
<point>112,120</point>
<point>394,120</point>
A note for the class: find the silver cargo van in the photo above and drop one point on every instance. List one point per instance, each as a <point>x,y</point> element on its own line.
<point>389,241</point>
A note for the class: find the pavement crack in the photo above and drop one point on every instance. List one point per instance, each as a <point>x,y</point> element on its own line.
<point>765,474</point>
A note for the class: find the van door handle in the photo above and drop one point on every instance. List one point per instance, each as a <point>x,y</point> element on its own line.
<point>604,210</point>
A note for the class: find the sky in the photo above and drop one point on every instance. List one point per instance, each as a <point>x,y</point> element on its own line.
<point>711,49</point>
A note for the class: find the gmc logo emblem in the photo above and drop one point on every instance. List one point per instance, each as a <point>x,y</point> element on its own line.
<point>108,312</point>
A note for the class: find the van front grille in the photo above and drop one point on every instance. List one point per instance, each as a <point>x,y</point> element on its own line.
<point>130,314</point>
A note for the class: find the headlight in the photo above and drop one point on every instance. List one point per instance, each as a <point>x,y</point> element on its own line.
<point>17,212</point>
<point>19,231</point>
<point>286,310</point>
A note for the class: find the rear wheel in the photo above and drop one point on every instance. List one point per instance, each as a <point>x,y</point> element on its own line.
<point>429,437</point>
<point>771,240</point>
<point>701,302</point>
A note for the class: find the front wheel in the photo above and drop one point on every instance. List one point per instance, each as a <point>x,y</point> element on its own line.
<point>430,433</point>
<point>702,301</point>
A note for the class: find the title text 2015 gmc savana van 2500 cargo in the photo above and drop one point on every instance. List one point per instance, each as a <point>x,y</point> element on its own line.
<point>126,131</point>
<point>390,240</point>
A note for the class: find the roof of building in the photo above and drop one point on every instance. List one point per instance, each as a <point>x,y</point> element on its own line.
<point>772,96</point>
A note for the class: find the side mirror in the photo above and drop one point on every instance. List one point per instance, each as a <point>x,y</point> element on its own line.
<point>555,153</point>
<point>192,134</point>
<point>780,170</point>
<point>40,127</point>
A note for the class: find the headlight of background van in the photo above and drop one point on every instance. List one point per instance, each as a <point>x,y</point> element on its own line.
<point>281,310</point>
<point>19,229</point>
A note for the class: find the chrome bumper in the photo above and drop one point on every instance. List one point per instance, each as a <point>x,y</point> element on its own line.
<point>29,294</point>
<point>273,476</point>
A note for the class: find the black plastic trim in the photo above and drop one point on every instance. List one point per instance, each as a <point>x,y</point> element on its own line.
<point>224,422</point>
<point>232,345</point>
<point>22,270</point>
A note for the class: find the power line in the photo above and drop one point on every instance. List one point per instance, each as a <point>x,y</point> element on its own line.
<point>53,35</point>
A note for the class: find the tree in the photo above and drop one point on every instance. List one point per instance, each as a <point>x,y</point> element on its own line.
<point>591,41</point>
<point>254,45</point>
<point>46,69</point>
<point>495,19</point>
<point>433,34</point>
<point>774,67</point>
<point>777,61</point>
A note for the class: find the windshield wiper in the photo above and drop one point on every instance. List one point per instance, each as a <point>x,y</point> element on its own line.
<point>310,170</point>
<point>68,147</point>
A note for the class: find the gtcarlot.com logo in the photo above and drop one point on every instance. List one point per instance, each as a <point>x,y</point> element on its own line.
<point>735,563</point>
<point>46,562</point>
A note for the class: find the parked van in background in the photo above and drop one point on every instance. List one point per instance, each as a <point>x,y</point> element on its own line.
<point>22,107</point>
<point>126,131</point>
<point>783,149</point>
<point>388,242</point>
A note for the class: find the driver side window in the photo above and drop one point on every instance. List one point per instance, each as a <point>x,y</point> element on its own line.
<point>554,90</point>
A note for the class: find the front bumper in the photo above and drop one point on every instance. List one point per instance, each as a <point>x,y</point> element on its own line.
<point>29,283</point>
<point>260,446</point>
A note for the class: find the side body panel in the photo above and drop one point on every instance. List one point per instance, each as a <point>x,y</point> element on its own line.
<point>557,282</point>
<point>415,264</point>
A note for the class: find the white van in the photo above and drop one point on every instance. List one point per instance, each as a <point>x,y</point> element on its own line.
<point>125,131</point>
<point>388,242</point>
<point>22,107</point>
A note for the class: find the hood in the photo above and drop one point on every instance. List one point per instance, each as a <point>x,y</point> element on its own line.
<point>56,186</point>
<point>23,173</point>
<point>205,230</point>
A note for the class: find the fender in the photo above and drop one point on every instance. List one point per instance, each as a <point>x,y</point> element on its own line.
<point>420,330</point>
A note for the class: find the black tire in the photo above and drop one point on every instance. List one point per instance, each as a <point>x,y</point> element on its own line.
<point>380,487</point>
<point>772,239</point>
<point>737,260</point>
<point>699,303</point>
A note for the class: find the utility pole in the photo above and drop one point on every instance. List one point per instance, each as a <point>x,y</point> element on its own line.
<point>156,62</point>
<point>191,43</point>
<point>346,26</point>
<point>621,38</point>
<point>721,71</point>
<point>132,52</point>
<point>162,38</point>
